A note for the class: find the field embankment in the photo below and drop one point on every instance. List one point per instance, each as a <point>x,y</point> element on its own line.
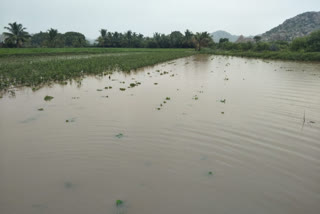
<point>282,55</point>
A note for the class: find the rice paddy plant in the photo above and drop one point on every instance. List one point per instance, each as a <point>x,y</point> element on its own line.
<point>38,72</point>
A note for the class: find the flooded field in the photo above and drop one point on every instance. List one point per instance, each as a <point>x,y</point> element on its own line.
<point>202,134</point>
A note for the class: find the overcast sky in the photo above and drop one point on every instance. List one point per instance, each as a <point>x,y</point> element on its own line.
<point>247,17</point>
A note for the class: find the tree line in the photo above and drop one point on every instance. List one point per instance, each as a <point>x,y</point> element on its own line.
<point>17,37</point>
<point>309,43</point>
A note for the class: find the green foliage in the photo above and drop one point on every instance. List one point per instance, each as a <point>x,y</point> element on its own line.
<point>74,39</point>
<point>223,40</point>
<point>257,39</point>
<point>262,46</point>
<point>176,39</point>
<point>33,71</point>
<point>131,39</point>
<point>39,39</point>
<point>313,42</point>
<point>16,36</point>
<point>53,40</point>
<point>298,44</point>
<point>119,203</point>
<point>48,98</point>
<point>120,135</point>
<point>202,40</point>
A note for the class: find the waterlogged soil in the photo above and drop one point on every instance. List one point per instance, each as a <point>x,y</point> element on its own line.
<point>201,134</point>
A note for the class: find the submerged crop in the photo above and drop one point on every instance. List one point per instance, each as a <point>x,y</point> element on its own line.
<point>28,70</point>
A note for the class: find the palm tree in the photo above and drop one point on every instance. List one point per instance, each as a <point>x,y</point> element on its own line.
<point>201,40</point>
<point>16,34</point>
<point>102,39</point>
<point>53,33</point>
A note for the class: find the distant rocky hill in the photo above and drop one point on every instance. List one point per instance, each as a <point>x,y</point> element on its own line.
<point>223,34</point>
<point>298,26</point>
<point>243,39</point>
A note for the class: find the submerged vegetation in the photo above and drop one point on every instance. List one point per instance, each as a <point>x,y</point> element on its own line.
<point>119,202</point>
<point>32,72</point>
<point>34,67</point>
<point>48,98</point>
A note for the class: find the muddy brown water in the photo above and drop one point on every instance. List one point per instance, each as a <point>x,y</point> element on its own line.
<point>254,124</point>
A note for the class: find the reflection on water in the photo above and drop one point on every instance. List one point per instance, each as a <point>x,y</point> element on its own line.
<point>214,135</point>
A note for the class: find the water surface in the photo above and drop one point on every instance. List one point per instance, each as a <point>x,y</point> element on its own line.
<point>254,124</point>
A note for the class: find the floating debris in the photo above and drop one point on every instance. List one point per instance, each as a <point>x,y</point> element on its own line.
<point>35,88</point>
<point>40,109</point>
<point>99,89</point>
<point>48,98</point>
<point>120,135</point>
<point>68,185</point>
<point>155,83</point>
<point>119,202</point>
<point>223,101</point>
<point>210,173</point>
<point>122,89</point>
<point>167,98</point>
<point>132,85</point>
<point>222,112</point>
